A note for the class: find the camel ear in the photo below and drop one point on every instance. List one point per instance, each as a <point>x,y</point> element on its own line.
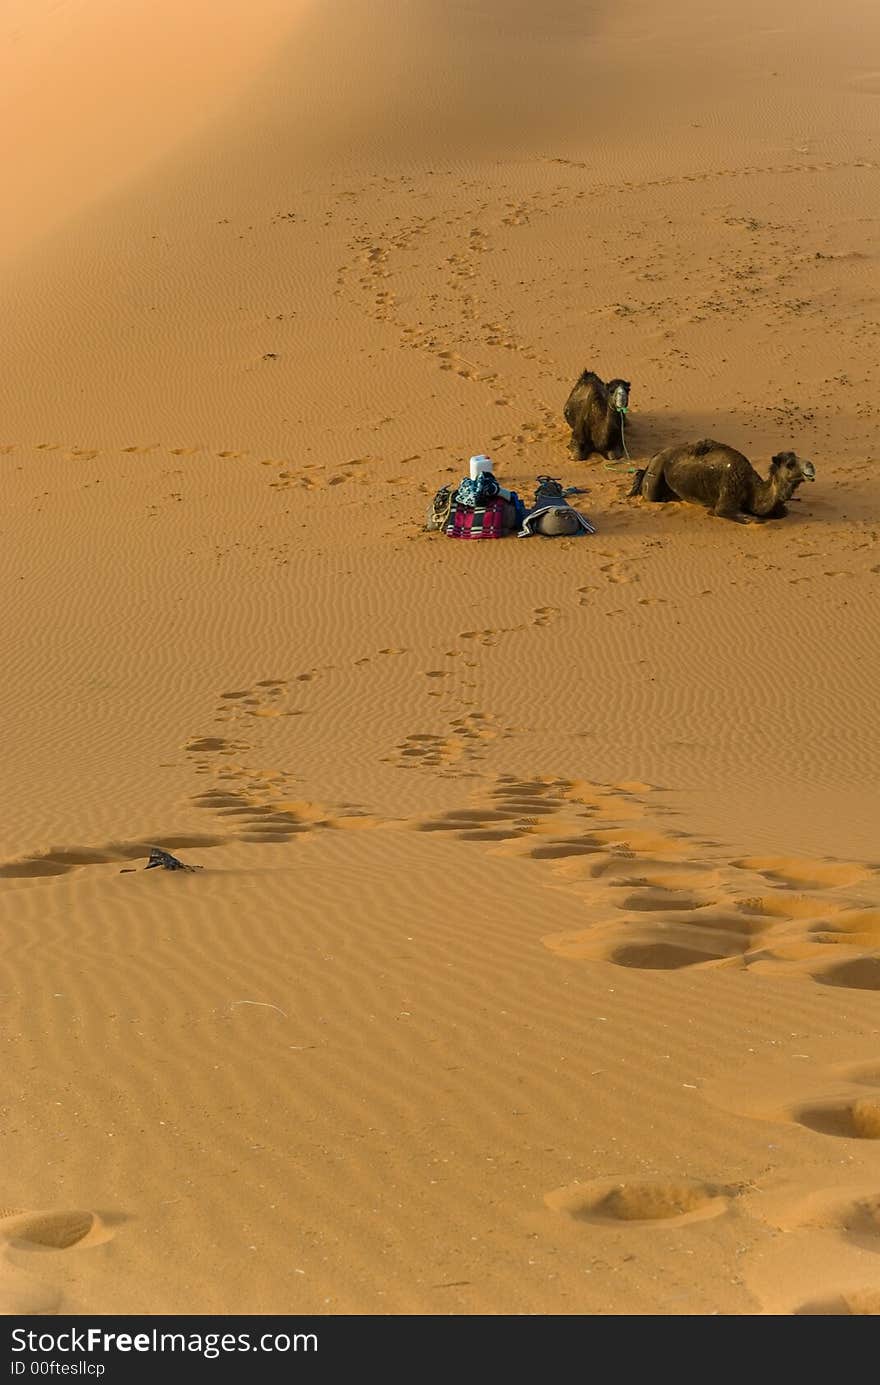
<point>780,459</point>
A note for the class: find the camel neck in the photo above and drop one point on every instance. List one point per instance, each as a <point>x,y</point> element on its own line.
<point>768,494</point>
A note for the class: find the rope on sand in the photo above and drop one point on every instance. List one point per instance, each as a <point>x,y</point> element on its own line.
<point>612,466</point>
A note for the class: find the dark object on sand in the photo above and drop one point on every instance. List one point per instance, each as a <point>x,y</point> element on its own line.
<point>712,474</point>
<point>594,412</point>
<point>551,514</point>
<point>166,861</point>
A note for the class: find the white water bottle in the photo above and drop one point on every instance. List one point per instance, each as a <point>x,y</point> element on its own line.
<point>480,466</point>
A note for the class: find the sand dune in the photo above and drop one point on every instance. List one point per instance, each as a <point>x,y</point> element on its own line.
<point>95,93</point>
<point>532,962</point>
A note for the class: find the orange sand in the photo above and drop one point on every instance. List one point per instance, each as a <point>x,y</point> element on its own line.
<point>533,964</point>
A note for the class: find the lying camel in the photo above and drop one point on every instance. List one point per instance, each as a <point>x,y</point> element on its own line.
<point>713,474</point>
<point>593,412</point>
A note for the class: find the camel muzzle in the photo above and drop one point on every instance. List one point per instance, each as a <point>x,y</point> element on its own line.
<point>809,471</point>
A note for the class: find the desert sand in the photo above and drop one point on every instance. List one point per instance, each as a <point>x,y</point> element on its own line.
<point>533,964</point>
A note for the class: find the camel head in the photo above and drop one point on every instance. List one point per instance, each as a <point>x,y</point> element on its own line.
<point>618,393</point>
<point>788,470</point>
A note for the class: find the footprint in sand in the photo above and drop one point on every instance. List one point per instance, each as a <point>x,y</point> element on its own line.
<point>850,927</point>
<point>805,874</point>
<point>61,860</point>
<point>699,939</point>
<point>845,1118</point>
<point>22,1233</point>
<point>263,815</point>
<point>544,614</point>
<point>52,1230</point>
<point>717,941</point>
<point>515,808</point>
<point>862,1303</point>
<point>425,751</point>
<point>468,370</point>
<point>659,901</point>
<point>32,867</point>
<point>855,1216</point>
<point>685,878</point>
<point>472,825</point>
<point>667,919</point>
<point>786,906</point>
<point>866,1074</point>
<point>858,973</point>
<point>566,849</point>
<point>257,820</point>
<point>201,745</point>
<point>641,1201</point>
<point>661,923</point>
<point>465,743</point>
<point>616,573</point>
<point>533,803</point>
<point>265,699</point>
<point>683,908</point>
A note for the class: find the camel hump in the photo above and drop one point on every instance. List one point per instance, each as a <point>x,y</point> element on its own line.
<point>706,445</point>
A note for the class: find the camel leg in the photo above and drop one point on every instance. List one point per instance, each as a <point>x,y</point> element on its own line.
<point>726,506</point>
<point>581,445</point>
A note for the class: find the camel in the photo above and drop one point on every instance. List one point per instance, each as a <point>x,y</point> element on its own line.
<point>712,474</point>
<point>594,412</point>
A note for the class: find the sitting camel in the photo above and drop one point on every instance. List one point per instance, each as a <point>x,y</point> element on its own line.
<point>713,474</point>
<point>594,412</point>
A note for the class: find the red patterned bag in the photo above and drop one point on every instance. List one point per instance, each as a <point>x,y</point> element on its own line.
<point>481,522</point>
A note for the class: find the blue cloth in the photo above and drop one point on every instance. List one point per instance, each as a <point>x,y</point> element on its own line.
<point>476,493</point>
